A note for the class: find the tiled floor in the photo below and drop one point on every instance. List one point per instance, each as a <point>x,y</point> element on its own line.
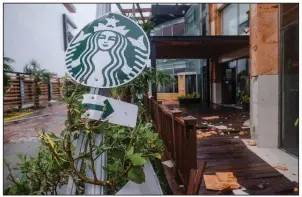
<point>275,156</point>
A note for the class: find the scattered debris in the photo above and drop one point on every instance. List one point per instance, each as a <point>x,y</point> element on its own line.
<point>201,134</point>
<point>231,129</point>
<point>236,137</point>
<point>247,123</point>
<point>245,127</point>
<point>168,163</point>
<point>242,133</point>
<point>230,124</point>
<point>221,133</point>
<point>210,118</point>
<point>221,127</point>
<point>251,143</point>
<point>181,186</point>
<point>221,181</point>
<point>284,168</point>
<point>296,189</point>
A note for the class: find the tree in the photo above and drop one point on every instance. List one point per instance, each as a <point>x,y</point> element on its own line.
<point>39,75</point>
<point>140,85</point>
<point>7,67</point>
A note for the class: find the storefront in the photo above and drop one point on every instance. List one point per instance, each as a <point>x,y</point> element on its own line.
<point>289,78</point>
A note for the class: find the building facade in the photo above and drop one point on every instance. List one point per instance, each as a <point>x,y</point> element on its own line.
<point>38,31</point>
<point>263,72</point>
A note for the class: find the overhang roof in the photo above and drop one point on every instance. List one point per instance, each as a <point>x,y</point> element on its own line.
<point>196,47</point>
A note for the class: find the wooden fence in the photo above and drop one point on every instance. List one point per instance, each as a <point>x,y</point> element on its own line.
<point>21,91</point>
<point>179,136</point>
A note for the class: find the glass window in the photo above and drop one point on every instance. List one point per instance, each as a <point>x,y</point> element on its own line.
<point>167,31</point>
<point>178,29</point>
<point>235,19</point>
<point>243,13</point>
<point>69,30</point>
<point>229,20</point>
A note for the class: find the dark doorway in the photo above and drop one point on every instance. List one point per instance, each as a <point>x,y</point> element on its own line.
<point>289,136</point>
<point>190,84</point>
<point>228,83</point>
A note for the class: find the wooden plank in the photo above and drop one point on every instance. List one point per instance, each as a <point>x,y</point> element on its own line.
<point>199,176</point>
<point>192,180</point>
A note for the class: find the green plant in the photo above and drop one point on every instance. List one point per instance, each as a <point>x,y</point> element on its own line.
<point>128,150</point>
<point>40,175</point>
<point>39,75</point>
<point>140,85</point>
<point>7,67</point>
<point>194,95</point>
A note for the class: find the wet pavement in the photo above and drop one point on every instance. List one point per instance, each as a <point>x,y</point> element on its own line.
<point>24,130</point>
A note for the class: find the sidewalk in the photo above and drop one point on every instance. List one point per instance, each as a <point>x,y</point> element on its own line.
<point>53,116</point>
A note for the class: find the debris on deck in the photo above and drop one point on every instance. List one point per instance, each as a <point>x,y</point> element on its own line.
<point>221,127</point>
<point>210,118</point>
<point>251,143</point>
<point>284,168</point>
<point>201,134</point>
<point>220,181</point>
<point>236,137</point>
<point>242,133</point>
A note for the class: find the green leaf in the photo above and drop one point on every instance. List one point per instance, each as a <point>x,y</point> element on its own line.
<point>297,122</point>
<point>137,160</point>
<point>148,125</point>
<point>130,151</point>
<point>136,174</point>
<point>52,135</point>
<point>156,155</point>
<point>63,133</point>
<point>115,166</point>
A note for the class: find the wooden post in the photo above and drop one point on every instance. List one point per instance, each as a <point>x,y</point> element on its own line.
<point>21,86</point>
<point>59,86</point>
<point>190,147</point>
<point>49,86</point>
<point>157,116</point>
<point>175,113</point>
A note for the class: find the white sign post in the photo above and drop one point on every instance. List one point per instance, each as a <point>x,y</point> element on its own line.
<point>109,52</point>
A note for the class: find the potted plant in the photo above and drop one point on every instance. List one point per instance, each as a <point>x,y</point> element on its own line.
<point>189,98</point>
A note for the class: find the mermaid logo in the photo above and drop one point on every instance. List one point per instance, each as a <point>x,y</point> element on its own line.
<point>109,52</point>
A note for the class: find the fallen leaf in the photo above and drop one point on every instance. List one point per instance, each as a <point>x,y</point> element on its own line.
<point>236,137</point>
<point>212,182</point>
<point>296,189</point>
<point>242,133</point>
<point>284,168</point>
<point>221,133</point>
<point>210,118</point>
<point>251,143</point>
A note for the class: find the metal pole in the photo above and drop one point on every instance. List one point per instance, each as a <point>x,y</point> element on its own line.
<point>102,160</point>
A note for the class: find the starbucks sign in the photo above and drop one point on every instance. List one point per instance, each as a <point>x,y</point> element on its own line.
<point>108,52</point>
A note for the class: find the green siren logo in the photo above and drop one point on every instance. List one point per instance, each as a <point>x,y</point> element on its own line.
<point>110,51</point>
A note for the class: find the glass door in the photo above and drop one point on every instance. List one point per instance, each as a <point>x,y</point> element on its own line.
<point>289,136</point>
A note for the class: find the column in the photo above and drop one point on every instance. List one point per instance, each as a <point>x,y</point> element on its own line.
<point>264,71</point>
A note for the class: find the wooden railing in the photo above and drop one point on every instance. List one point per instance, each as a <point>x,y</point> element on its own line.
<point>21,91</point>
<point>179,137</point>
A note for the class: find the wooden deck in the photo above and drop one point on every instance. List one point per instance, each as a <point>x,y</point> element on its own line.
<point>226,154</point>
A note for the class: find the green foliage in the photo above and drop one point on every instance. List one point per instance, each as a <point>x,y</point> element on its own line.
<point>42,174</point>
<point>195,95</point>
<point>140,85</point>
<point>128,151</point>
<point>7,67</point>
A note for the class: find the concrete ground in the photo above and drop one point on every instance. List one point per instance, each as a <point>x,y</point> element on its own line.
<point>275,156</point>
<point>20,136</point>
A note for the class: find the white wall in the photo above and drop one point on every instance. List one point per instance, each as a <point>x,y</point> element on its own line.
<point>35,31</point>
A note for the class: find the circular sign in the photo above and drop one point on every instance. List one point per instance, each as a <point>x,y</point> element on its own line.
<point>108,52</point>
